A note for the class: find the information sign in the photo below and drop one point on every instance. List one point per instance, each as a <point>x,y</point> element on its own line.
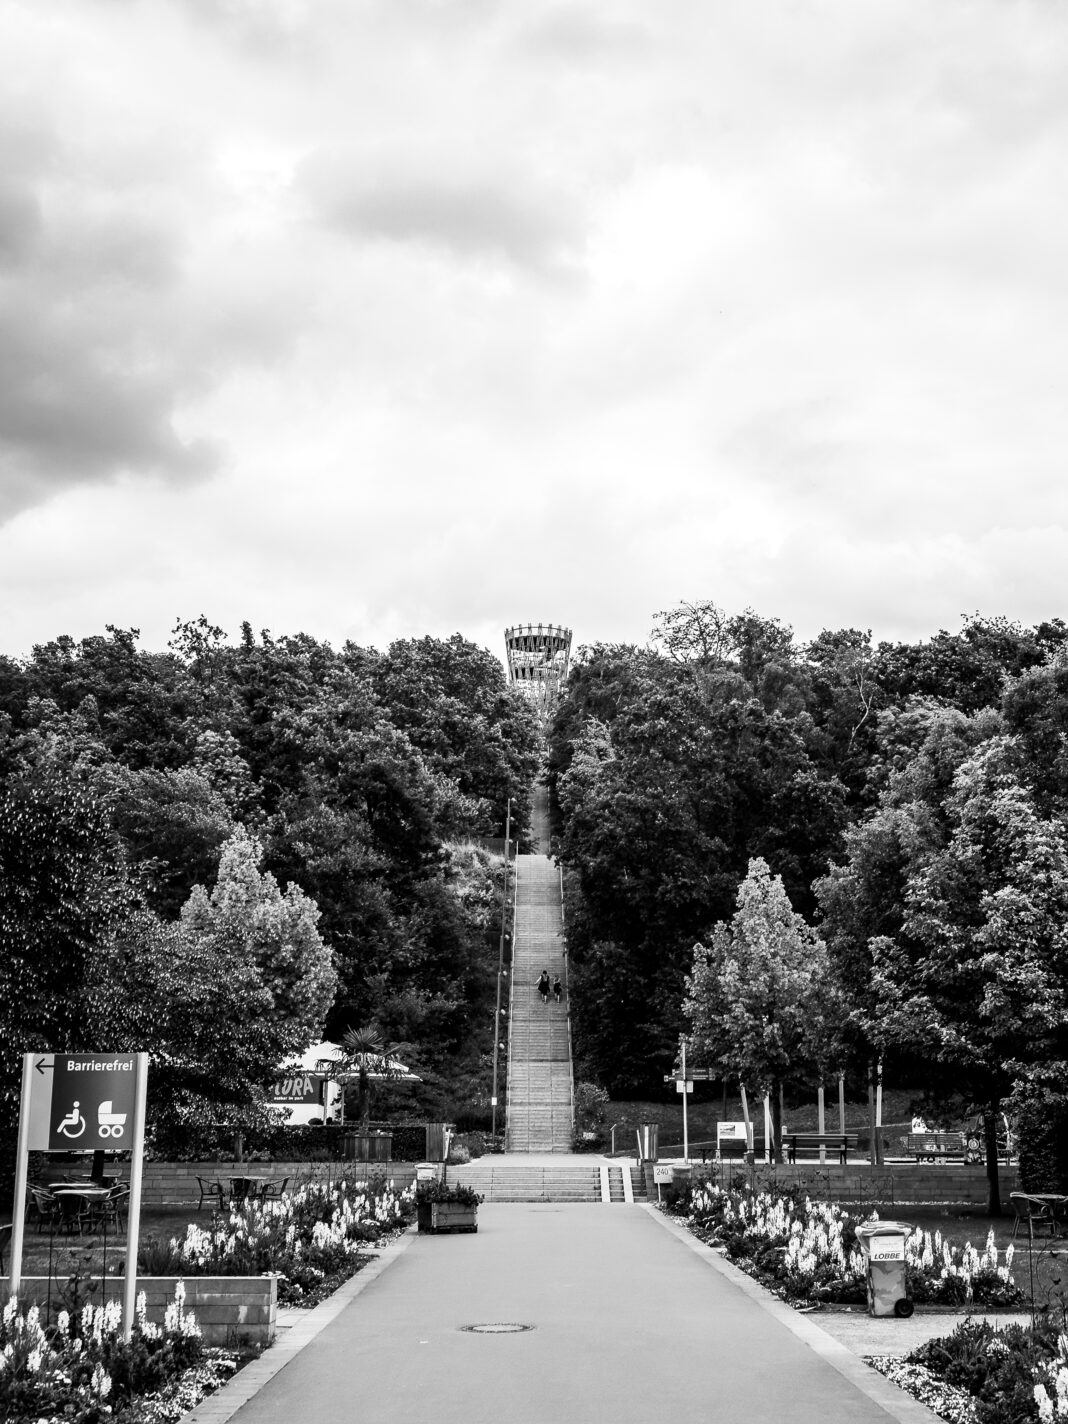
<point>681,1087</point>
<point>93,1099</point>
<point>663,1174</point>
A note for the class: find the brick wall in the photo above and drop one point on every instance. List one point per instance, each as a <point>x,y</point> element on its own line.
<point>229,1309</point>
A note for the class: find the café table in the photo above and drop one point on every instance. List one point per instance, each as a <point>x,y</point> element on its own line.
<point>1058,1208</point>
<point>76,1204</point>
<point>246,1188</point>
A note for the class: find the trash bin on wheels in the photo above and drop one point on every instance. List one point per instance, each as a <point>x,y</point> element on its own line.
<point>883,1244</point>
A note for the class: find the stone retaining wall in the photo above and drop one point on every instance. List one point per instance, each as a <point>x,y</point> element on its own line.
<point>230,1310</point>
<point>897,1185</point>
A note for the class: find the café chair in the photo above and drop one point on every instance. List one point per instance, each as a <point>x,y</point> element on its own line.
<point>1033,1215</point>
<point>75,1213</point>
<point>45,1207</point>
<point>109,1210</point>
<point>213,1190</point>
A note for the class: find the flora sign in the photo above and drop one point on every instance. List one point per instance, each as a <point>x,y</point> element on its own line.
<point>298,1088</point>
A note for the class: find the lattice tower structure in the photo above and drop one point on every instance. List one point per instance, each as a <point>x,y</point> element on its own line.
<point>538,655</point>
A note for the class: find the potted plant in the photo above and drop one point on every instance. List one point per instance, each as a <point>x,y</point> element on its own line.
<point>443,1207</point>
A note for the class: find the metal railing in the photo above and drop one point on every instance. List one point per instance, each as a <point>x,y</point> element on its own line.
<point>567,1000</point>
<point>511,1010</point>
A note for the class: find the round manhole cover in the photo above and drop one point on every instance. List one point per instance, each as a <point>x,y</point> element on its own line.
<point>497,1327</point>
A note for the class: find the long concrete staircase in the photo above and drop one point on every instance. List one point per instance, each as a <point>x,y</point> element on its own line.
<point>538,1164</point>
<point>540,1111</point>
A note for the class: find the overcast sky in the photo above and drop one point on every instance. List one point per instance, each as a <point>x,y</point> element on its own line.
<point>377,318</point>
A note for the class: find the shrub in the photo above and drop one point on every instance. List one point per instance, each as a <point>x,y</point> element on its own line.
<point>1015,1374</point>
<point>591,1103</point>
<point>447,1192</point>
<point>83,1369</point>
<point>809,1250</point>
<point>473,1117</point>
<point>306,1238</point>
<point>1043,1132</point>
<point>587,1141</point>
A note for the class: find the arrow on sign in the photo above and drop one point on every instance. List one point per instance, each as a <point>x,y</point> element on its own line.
<point>42,1065</point>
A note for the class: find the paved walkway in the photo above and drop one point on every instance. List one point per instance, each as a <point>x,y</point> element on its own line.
<point>631,1318</point>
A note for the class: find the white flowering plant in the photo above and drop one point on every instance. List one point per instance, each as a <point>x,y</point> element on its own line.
<point>809,1250</point>
<point>307,1238</point>
<point>81,1369</point>
<point>1010,1374</point>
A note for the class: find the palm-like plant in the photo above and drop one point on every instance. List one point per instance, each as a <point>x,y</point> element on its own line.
<point>365,1051</point>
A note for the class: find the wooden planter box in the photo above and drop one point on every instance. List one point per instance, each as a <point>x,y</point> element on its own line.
<point>440,1217</point>
<point>368,1146</point>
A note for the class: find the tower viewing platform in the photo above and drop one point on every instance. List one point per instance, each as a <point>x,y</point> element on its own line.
<point>538,655</point>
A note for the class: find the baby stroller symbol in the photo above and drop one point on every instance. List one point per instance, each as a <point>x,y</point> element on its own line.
<point>110,1124</point>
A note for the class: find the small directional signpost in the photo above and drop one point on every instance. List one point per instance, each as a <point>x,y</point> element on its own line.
<point>684,1080</point>
<point>82,1102</point>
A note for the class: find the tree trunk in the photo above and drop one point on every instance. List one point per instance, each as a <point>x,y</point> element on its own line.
<point>993,1183</point>
<point>776,1120</point>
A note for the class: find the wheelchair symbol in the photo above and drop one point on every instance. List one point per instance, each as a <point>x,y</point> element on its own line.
<point>73,1125</point>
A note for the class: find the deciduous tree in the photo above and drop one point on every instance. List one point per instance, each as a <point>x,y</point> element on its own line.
<point>759,998</point>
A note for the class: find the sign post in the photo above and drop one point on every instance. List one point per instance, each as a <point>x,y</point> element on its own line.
<point>685,1097</point>
<point>22,1159</point>
<point>133,1219</point>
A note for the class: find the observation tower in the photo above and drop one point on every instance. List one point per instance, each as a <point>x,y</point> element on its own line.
<point>537,663</point>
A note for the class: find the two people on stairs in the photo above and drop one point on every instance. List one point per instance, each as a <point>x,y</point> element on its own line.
<point>544,987</point>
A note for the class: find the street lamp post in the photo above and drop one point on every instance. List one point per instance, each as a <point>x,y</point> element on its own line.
<point>500,960</point>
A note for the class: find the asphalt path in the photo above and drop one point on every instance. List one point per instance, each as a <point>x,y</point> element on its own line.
<point>628,1321</point>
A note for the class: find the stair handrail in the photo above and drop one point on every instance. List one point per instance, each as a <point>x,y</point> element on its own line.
<point>511,1008</point>
<point>567,1001</point>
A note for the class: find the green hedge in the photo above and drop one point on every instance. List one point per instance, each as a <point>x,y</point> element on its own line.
<point>1043,1129</point>
<point>313,1143</point>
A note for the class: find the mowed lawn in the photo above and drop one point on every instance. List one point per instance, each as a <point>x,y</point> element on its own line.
<point>63,1255</point>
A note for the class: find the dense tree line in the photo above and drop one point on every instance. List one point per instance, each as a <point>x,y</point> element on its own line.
<point>223,851</point>
<point>910,801</point>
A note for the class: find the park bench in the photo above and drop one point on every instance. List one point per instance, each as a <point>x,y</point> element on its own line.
<point>735,1150</point>
<point>841,1143</point>
<point>935,1146</point>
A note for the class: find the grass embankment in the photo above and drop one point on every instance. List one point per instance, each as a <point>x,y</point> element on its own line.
<point>706,1108</point>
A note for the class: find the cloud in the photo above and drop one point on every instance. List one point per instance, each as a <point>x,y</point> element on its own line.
<point>448,201</point>
<point>87,390</point>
